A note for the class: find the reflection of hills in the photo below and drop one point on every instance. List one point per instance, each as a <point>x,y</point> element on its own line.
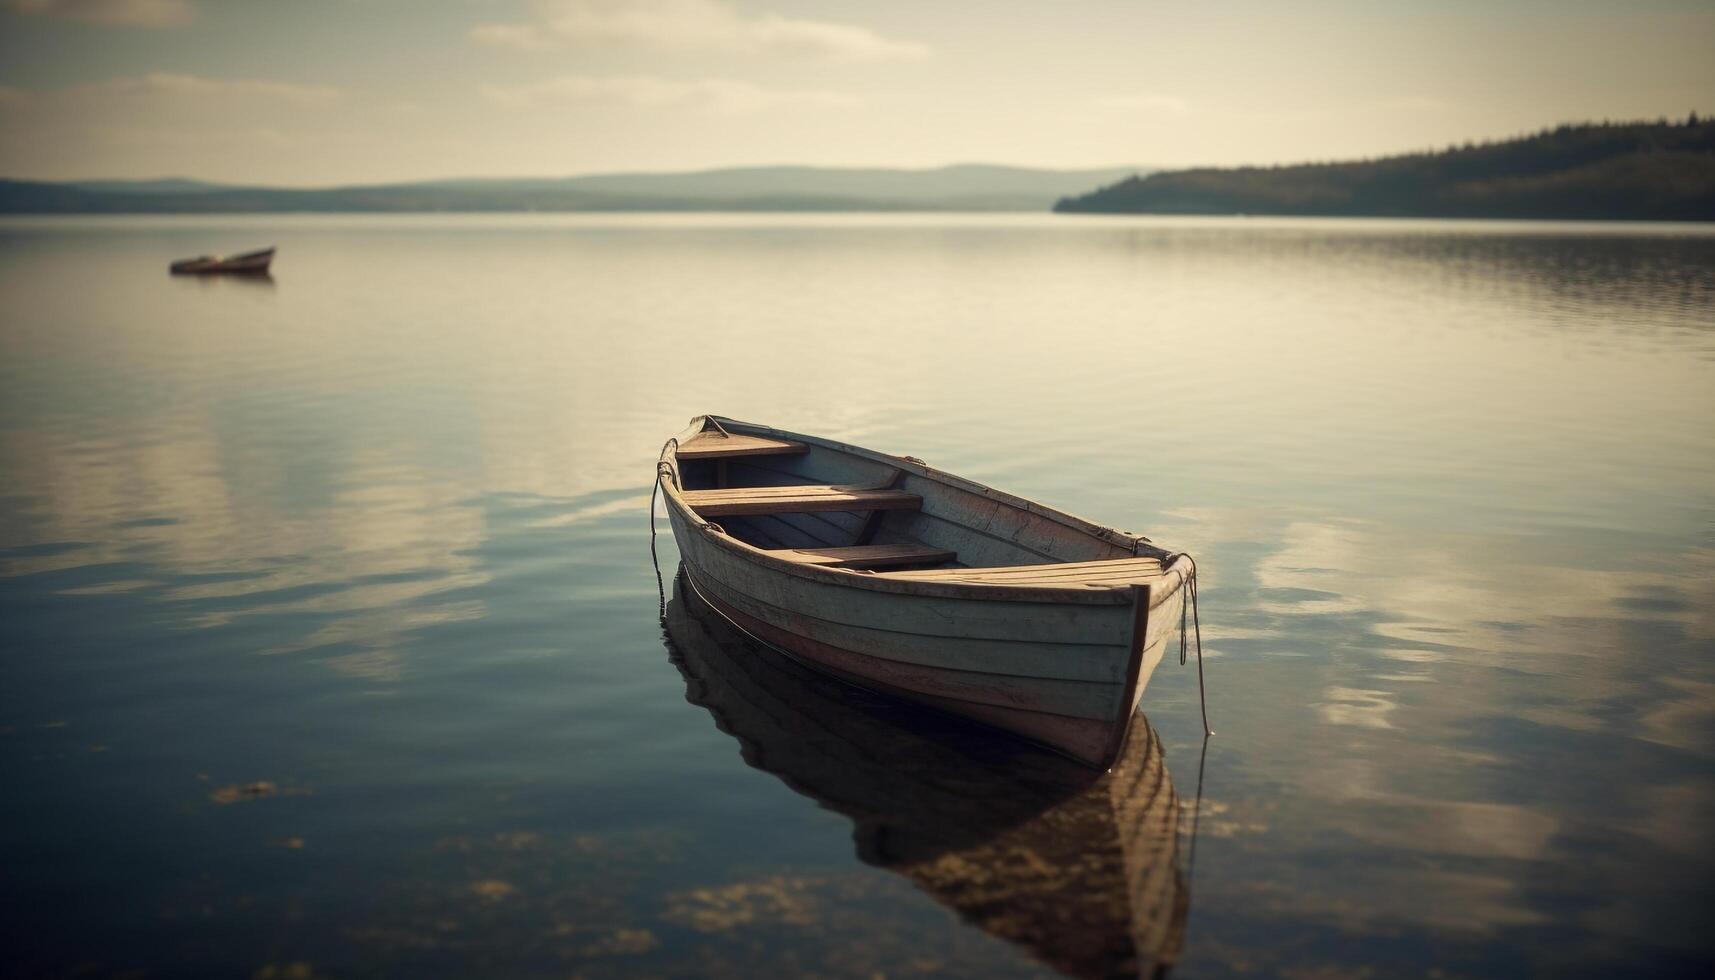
<point>1079,868</point>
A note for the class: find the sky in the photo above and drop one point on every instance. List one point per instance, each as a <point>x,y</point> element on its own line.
<point>327,92</point>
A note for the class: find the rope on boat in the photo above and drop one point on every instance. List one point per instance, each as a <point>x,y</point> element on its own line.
<point>1190,607</point>
<point>654,492</point>
<point>655,559</point>
<point>662,468</point>
<point>665,469</point>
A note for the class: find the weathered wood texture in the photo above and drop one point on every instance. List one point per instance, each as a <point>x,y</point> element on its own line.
<point>713,445</point>
<point>741,501</point>
<point>1081,709</point>
<point>1040,656</point>
<point>774,532</point>
<point>1038,630</point>
<point>1104,574</point>
<point>869,556</point>
<point>1078,868</point>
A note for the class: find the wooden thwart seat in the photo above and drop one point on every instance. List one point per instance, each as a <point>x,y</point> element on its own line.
<point>713,445</point>
<point>1053,575</point>
<point>868,556</point>
<point>750,501</point>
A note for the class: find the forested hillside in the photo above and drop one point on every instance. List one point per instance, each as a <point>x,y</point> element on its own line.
<point>1637,171</point>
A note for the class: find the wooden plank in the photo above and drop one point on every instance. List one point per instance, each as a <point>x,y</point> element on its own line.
<point>795,531</point>
<point>825,528</point>
<point>1069,567</point>
<point>749,529</point>
<point>1133,682</point>
<point>828,528</point>
<point>713,445</point>
<point>872,523</point>
<point>1092,662</point>
<point>1118,571</point>
<point>830,467</point>
<point>976,546</point>
<point>1053,572</point>
<point>1070,607</point>
<point>969,576</point>
<point>1071,699</point>
<point>869,556</point>
<point>1029,532</point>
<point>1126,572</point>
<point>842,598</point>
<point>796,500</point>
<point>829,453</point>
<point>784,490</point>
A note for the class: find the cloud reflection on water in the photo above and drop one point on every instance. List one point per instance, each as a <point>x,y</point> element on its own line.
<point>1448,485</point>
<point>1498,634</point>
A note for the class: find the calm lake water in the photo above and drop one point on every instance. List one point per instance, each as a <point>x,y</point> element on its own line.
<point>331,643</point>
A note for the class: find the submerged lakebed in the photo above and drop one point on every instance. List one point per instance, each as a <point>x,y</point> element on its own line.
<point>331,641</point>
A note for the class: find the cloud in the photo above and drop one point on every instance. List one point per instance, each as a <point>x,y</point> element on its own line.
<point>647,91</point>
<point>128,13</point>
<point>1417,103</point>
<point>1149,101</point>
<point>193,87</point>
<point>692,25</point>
<point>164,89</point>
<point>161,115</point>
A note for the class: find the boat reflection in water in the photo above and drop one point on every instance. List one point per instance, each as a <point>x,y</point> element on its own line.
<point>1077,867</point>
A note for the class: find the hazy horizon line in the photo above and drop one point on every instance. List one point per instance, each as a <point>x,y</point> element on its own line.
<point>647,172</point>
<point>900,168</point>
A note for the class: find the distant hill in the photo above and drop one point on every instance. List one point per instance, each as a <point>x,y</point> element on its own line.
<point>164,185</point>
<point>1628,171</point>
<point>967,187</point>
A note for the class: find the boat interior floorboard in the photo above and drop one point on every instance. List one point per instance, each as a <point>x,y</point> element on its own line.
<point>869,556</point>
<point>746,501</point>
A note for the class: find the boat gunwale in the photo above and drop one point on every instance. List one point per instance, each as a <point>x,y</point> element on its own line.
<point>1162,589</point>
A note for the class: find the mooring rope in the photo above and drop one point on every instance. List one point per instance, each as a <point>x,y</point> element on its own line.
<point>660,587</point>
<point>1196,819</point>
<point>1189,608</point>
<point>654,491</point>
<point>662,468</point>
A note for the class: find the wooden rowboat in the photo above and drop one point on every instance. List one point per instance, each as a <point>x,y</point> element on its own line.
<point>896,577</point>
<point>250,263</point>
<point>1079,869</point>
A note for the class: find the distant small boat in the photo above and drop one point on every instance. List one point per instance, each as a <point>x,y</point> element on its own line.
<point>248,264</point>
<point>906,580</point>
